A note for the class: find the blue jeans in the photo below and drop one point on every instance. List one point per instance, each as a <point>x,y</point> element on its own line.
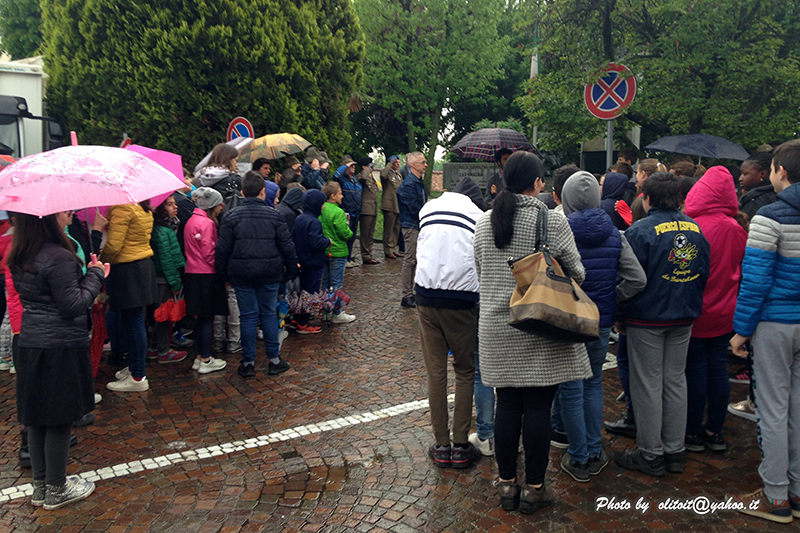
<point>133,321</point>
<point>333,273</point>
<point>707,380</point>
<point>484,403</point>
<point>258,303</point>
<point>116,331</point>
<point>578,405</point>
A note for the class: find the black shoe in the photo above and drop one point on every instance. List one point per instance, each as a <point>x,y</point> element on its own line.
<point>281,367</point>
<point>440,455</point>
<point>408,303</point>
<point>24,457</point>
<point>464,457</point>
<point>625,426</point>
<point>674,462</point>
<point>598,463</point>
<point>714,442</point>
<point>578,471</point>
<point>180,344</point>
<point>85,420</point>
<point>634,460</point>
<point>694,443</point>
<point>509,495</point>
<point>531,499</point>
<point>118,360</point>
<point>558,440</point>
<point>73,440</point>
<point>247,371</point>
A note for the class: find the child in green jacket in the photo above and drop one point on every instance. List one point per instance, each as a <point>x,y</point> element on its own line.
<point>168,262</point>
<point>335,226</point>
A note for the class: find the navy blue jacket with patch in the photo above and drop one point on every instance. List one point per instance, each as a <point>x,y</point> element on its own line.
<point>599,244</point>
<point>675,256</point>
<point>411,196</point>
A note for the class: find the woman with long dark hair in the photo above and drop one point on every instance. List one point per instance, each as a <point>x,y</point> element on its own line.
<point>131,287</point>
<point>54,372</point>
<point>524,368</point>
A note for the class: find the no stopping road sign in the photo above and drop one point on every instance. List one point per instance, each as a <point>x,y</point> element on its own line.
<point>608,97</point>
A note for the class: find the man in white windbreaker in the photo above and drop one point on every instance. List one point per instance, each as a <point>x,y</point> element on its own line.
<point>447,294</point>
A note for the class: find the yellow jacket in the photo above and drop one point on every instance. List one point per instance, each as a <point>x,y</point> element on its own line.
<point>129,229</point>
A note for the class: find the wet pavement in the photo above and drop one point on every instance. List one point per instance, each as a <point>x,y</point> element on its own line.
<point>338,443</point>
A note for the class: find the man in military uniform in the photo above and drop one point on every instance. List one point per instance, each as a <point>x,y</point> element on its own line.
<point>390,181</point>
<point>369,210</point>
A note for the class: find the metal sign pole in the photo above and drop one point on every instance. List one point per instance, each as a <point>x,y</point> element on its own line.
<point>609,143</point>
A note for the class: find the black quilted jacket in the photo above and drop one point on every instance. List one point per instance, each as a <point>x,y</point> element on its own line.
<point>56,300</point>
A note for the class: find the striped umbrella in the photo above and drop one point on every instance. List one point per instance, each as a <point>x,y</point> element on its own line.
<point>483,144</point>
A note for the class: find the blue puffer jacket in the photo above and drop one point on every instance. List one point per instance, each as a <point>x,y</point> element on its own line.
<point>675,256</point>
<point>770,288</point>
<point>599,244</point>
<point>351,191</point>
<point>309,240</point>
<point>254,246</point>
<point>411,196</point>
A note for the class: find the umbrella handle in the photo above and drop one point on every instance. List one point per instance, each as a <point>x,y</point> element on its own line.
<point>74,138</point>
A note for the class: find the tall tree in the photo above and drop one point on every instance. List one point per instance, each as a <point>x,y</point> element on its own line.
<point>173,73</point>
<point>727,67</point>
<point>20,27</point>
<point>423,56</point>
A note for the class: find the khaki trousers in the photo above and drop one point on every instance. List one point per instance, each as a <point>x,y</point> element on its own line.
<point>391,231</point>
<point>456,329</point>
<point>409,261</point>
<point>367,235</point>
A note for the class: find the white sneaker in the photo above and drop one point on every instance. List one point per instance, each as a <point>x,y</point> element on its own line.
<point>122,374</point>
<point>486,447</point>
<point>129,385</point>
<point>6,364</point>
<point>97,398</point>
<point>196,363</point>
<point>212,365</point>
<point>342,318</point>
<point>350,264</point>
<point>284,335</point>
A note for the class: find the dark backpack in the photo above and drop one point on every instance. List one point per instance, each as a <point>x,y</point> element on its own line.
<point>231,190</point>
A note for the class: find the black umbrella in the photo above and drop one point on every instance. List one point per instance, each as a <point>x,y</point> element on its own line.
<point>700,144</point>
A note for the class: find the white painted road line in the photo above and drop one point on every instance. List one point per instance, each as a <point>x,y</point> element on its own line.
<point>125,469</point>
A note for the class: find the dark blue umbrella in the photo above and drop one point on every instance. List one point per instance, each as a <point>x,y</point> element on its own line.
<point>700,144</point>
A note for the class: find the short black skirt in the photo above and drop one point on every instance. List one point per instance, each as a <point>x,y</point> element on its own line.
<point>132,285</point>
<point>54,386</point>
<point>205,295</point>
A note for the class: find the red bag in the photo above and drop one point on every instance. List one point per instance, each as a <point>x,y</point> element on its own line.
<point>164,311</point>
<point>178,310</point>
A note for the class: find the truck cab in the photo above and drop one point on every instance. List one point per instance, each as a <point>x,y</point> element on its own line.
<point>23,129</point>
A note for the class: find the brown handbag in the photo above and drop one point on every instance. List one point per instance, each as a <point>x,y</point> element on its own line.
<point>548,302</point>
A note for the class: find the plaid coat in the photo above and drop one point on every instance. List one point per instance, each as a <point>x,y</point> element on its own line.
<point>510,357</point>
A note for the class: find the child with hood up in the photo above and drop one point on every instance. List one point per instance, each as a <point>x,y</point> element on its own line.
<point>614,186</point>
<point>310,244</point>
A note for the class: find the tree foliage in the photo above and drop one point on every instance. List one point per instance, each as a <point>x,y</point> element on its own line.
<point>20,27</point>
<point>173,73</point>
<point>423,56</point>
<point>729,67</point>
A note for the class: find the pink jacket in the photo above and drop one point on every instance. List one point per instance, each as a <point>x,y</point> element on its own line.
<point>713,204</point>
<point>12,297</point>
<point>200,243</point>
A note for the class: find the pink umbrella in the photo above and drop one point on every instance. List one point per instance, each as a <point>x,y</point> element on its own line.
<point>168,160</point>
<point>78,177</point>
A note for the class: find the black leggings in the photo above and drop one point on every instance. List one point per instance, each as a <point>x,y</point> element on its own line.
<point>49,449</point>
<point>525,410</point>
<point>203,334</point>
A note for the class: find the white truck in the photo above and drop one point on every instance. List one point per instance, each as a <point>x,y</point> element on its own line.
<point>23,128</point>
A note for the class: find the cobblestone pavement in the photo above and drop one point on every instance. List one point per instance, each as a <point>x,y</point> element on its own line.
<point>298,453</point>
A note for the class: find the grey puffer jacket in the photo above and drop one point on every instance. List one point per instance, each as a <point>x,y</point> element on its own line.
<point>56,300</point>
<point>510,357</point>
